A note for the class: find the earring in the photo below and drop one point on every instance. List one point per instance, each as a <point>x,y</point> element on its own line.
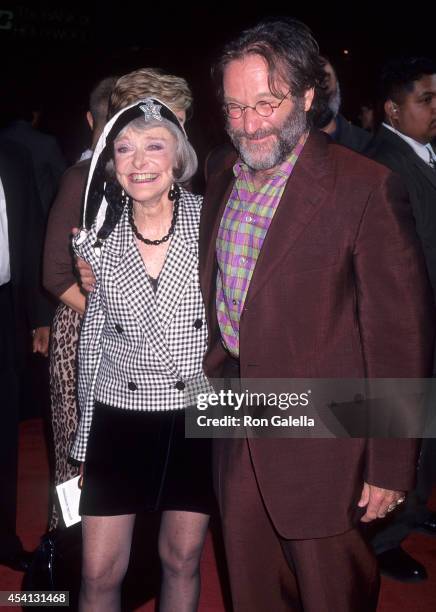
<point>124,198</point>
<point>173,192</point>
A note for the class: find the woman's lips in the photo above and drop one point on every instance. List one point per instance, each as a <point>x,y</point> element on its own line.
<point>144,177</point>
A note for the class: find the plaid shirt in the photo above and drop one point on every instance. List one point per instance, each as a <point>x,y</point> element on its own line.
<point>243,228</point>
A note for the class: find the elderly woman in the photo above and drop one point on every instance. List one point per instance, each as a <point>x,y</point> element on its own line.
<point>59,277</point>
<point>141,349</point>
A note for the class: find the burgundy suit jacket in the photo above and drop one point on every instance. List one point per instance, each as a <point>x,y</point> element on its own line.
<point>339,291</point>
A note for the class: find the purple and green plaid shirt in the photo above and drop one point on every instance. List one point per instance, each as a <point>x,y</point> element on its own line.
<point>243,228</point>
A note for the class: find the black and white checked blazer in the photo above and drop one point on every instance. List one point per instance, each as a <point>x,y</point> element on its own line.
<point>141,350</point>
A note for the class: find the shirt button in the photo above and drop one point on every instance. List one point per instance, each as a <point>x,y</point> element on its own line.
<point>180,385</point>
<point>249,219</point>
<point>198,324</point>
<point>132,386</point>
<point>235,302</point>
<point>119,329</point>
<point>243,260</point>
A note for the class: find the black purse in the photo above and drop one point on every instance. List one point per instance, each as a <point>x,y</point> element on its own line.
<point>56,563</point>
<point>40,575</point>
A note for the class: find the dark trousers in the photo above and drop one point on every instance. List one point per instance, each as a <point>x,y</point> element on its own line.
<point>268,572</point>
<point>9,409</point>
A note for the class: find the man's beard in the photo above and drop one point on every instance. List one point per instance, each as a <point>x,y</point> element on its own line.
<point>271,154</point>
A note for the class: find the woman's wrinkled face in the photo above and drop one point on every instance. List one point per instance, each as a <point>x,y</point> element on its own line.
<point>144,162</point>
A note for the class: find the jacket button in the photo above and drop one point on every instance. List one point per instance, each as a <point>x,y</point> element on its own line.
<point>180,385</point>
<point>119,329</point>
<point>132,386</point>
<point>198,323</point>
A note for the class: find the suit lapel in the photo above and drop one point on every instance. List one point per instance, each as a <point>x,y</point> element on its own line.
<point>304,194</point>
<point>396,141</point>
<point>425,169</point>
<point>124,265</point>
<point>219,188</point>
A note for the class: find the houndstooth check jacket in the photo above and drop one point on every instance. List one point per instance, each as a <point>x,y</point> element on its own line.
<point>141,350</point>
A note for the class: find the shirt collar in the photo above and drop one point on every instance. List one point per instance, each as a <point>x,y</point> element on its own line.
<point>425,152</point>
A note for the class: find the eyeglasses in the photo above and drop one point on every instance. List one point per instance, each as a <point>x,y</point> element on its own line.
<point>262,108</point>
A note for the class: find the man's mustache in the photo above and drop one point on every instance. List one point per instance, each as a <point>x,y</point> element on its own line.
<point>255,135</point>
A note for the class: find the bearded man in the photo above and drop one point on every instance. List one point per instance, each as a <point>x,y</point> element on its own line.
<point>310,268</point>
<point>333,123</point>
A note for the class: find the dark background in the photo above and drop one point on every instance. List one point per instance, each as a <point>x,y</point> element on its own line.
<point>53,53</point>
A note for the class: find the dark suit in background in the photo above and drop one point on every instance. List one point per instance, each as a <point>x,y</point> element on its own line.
<point>351,136</point>
<point>420,180</point>
<point>23,307</point>
<point>47,158</point>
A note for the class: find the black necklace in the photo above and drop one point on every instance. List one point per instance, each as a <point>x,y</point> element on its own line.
<point>174,195</point>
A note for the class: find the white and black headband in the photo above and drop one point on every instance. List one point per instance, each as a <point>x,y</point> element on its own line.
<point>102,201</point>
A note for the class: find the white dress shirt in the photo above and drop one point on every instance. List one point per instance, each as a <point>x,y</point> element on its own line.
<point>425,152</point>
<point>5,268</point>
<point>87,154</point>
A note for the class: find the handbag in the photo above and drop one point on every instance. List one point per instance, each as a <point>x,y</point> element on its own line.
<point>40,575</point>
<point>56,563</point>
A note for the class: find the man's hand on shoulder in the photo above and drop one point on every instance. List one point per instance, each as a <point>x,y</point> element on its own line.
<point>378,502</point>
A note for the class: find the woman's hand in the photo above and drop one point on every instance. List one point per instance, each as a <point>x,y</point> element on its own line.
<point>41,340</point>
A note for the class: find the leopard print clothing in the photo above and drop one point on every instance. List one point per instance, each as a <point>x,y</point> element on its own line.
<point>64,412</point>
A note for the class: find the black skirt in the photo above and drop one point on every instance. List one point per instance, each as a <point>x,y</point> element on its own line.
<point>141,461</point>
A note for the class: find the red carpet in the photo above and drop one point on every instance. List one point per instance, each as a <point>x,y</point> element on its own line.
<point>32,516</point>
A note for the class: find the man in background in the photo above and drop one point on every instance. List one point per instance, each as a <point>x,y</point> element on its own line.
<point>47,158</point>
<point>330,120</point>
<point>403,143</point>
<point>23,308</point>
